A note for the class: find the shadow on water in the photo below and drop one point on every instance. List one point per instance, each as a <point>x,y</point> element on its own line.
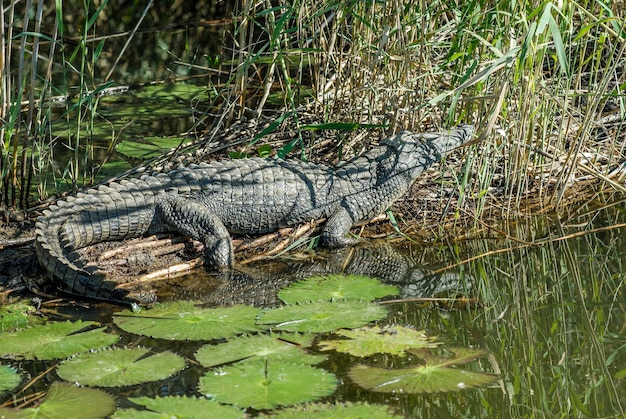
<point>259,282</point>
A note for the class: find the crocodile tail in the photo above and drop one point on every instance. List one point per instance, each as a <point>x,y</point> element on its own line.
<point>111,212</point>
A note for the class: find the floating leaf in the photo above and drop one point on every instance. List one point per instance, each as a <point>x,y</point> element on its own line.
<point>262,346</point>
<point>367,341</point>
<point>120,367</point>
<point>178,407</point>
<point>64,401</point>
<point>54,340</point>
<point>336,287</point>
<point>434,377</point>
<point>331,411</point>
<point>16,315</point>
<point>304,340</point>
<point>461,356</point>
<point>182,320</point>
<point>265,383</point>
<point>141,414</point>
<point>322,316</point>
<point>9,378</point>
<point>110,169</point>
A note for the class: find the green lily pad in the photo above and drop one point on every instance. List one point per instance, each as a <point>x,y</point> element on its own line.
<point>304,340</point>
<point>265,383</point>
<point>17,315</point>
<point>370,340</point>
<point>64,401</point>
<point>178,407</point>
<point>141,414</point>
<point>182,320</point>
<point>54,340</point>
<point>120,367</point>
<point>110,169</point>
<point>336,287</point>
<point>246,347</point>
<point>435,376</point>
<point>323,316</point>
<point>9,378</point>
<point>331,411</point>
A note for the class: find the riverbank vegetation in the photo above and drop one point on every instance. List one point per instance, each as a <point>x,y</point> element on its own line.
<point>96,89</point>
<point>543,82</point>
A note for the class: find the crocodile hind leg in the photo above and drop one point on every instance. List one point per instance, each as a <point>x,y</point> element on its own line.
<point>337,229</point>
<point>191,218</point>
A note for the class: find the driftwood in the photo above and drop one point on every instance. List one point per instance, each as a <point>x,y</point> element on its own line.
<point>162,245</point>
<point>22,241</point>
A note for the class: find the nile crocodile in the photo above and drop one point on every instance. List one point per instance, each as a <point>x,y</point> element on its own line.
<point>207,202</point>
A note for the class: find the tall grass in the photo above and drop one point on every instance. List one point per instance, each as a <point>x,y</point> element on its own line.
<point>28,83</point>
<point>542,74</point>
<point>541,80</point>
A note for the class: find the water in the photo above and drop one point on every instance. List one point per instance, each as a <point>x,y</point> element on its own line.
<point>551,319</point>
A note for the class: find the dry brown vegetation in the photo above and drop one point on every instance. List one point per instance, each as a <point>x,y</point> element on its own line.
<point>543,82</point>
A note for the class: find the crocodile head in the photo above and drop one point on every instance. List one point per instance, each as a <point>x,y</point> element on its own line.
<point>413,153</point>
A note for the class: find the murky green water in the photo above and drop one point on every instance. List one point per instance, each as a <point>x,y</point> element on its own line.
<point>551,318</point>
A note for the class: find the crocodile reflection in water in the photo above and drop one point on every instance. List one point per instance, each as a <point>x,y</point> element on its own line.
<point>259,283</point>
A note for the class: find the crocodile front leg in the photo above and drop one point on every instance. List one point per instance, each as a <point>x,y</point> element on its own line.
<point>191,218</point>
<point>337,228</point>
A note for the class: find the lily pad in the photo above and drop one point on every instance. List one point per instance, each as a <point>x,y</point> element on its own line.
<point>370,340</point>
<point>141,414</point>
<point>304,340</point>
<point>120,367</point>
<point>331,411</point>
<point>261,346</point>
<point>182,320</point>
<point>54,340</point>
<point>336,287</point>
<point>179,407</point>
<point>323,316</point>
<point>16,315</point>
<point>64,401</point>
<point>435,376</point>
<point>9,378</point>
<point>265,383</point>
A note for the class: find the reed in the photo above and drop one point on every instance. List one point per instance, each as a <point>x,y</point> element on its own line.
<point>541,80</point>
<point>31,57</point>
